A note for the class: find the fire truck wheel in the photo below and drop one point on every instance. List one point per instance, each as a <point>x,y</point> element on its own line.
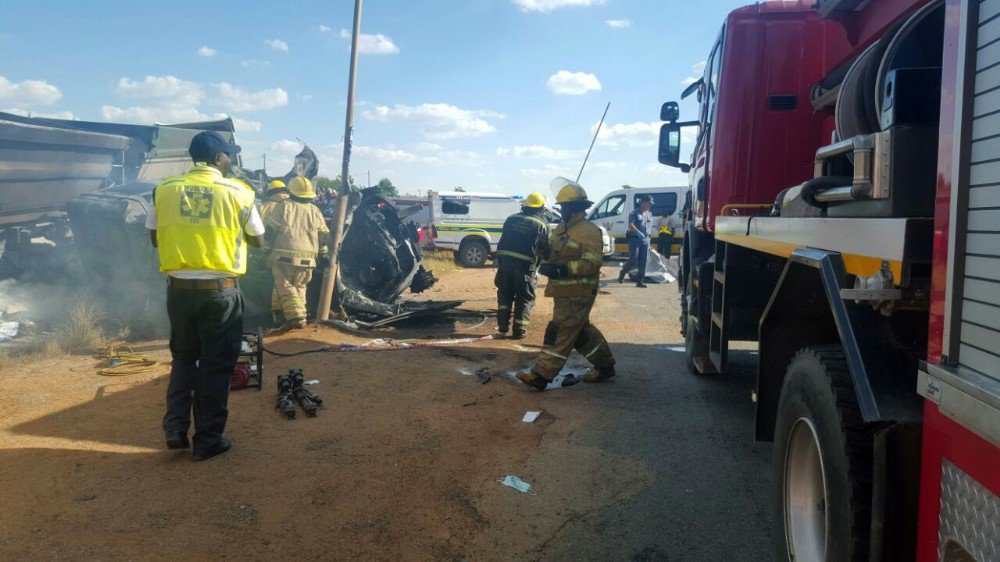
<point>473,252</point>
<point>822,461</point>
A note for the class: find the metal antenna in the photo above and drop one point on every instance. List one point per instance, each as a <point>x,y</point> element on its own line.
<point>597,132</point>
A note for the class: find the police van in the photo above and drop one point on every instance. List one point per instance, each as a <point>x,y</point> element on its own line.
<point>470,223</point>
<point>613,210</point>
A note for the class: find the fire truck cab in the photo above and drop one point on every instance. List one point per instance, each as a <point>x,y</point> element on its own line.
<point>846,216</point>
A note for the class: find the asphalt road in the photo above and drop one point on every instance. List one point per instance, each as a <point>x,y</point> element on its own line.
<point>688,482</point>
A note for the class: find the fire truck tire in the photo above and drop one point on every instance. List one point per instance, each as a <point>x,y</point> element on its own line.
<point>822,461</point>
<point>473,252</point>
<point>695,346</point>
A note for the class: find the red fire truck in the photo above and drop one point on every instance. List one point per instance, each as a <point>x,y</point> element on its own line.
<point>846,216</point>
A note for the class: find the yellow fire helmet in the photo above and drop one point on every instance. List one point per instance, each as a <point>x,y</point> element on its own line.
<point>276,184</point>
<point>535,200</point>
<point>301,187</point>
<point>568,191</point>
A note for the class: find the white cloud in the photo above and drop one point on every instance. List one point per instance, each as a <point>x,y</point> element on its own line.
<point>618,24</point>
<point>324,28</point>
<point>286,147</point>
<point>147,115</point>
<point>277,45</point>
<point>428,147</point>
<point>376,44</point>
<point>538,151</point>
<point>28,93</point>
<point>304,97</point>
<point>439,121</point>
<point>43,114</point>
<point>206,51</point>
<point>638,134</point>
<point>245,125</point>
<point>549,5</point>
<point>697,70</point>
<point>162,90</point>
<point>566,83</point>
<point>168,99</point>
<point>234,98</point>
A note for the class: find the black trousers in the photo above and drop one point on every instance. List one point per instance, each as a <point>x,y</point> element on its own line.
<point>664,242</point>
<point>515,282</point>
<point>206,332</point>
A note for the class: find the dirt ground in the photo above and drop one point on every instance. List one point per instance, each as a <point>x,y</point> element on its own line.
<point>402,461</point>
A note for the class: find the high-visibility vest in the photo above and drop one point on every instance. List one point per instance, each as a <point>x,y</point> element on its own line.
<point>199,222</point>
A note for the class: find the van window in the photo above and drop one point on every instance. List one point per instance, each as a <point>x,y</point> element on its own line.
<point>664,204</point>
<point>452,207</point>
<point>610,207</point>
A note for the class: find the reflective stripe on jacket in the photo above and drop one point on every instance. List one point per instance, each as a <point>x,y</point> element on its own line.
<point>524,237</point>
<point>199,222</point>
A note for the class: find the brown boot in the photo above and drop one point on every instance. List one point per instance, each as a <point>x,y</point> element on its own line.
<point>533,380</point>
<point>293,324</point>
<point>601,374</point>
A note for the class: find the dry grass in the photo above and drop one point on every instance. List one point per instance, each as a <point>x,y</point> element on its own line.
<point>440,262</point>
<point>82,331</point>
<point>13,362</point>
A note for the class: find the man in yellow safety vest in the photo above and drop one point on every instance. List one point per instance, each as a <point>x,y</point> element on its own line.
<point>201,225</point>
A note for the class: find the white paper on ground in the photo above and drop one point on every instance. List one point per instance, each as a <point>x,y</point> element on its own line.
<point>530,416</point>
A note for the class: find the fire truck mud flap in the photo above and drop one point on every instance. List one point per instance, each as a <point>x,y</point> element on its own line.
<point>806,309</point>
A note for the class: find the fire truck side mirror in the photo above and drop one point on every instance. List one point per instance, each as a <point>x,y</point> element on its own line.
<point>670,147</point>
<point>670,112</point>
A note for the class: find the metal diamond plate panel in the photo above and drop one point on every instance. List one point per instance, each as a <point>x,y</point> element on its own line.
<point>970,517</point>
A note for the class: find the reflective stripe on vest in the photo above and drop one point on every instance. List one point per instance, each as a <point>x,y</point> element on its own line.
<point>515,255</point>
<point>199,222</point>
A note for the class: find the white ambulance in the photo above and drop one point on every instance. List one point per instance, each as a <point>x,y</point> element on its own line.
<point>470,223</point>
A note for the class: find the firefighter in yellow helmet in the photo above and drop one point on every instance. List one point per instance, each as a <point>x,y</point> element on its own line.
<point>573,267</point>
<point>296,234</point>
<point>276,191</point>
<point>523,242</point>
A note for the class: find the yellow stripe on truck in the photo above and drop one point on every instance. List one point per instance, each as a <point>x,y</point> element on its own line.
<point>855,264</point>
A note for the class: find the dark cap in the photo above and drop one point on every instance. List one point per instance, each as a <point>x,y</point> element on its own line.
<point>206,144</point>
<point>645,199</point>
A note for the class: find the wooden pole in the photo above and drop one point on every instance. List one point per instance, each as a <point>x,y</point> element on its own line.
<point>330,275</point>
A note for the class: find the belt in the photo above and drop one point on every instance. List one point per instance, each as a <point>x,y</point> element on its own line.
<point>303,262</point>
<point>203,284</point>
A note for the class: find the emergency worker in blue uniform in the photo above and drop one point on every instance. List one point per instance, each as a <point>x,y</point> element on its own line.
<point>640,227</point>
<point>522,246</point>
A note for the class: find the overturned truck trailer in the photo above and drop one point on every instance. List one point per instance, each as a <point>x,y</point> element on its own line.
<point>42,168</point>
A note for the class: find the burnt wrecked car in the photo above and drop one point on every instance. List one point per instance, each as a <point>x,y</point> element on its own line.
<point>380,257</point>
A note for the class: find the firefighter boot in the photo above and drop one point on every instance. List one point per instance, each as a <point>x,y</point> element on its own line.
<point>600,374</point>
<point>533,380</point>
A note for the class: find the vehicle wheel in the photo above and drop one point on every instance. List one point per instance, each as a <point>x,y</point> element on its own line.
<point>473,252</point>
<point>822,461</point>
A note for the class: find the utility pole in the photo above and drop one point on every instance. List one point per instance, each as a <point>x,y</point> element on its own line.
<point>330,275</point>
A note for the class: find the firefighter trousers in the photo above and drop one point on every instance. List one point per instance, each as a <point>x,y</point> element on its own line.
<point>290,284</point>
<point>515,283</point>
<point>571,329</point>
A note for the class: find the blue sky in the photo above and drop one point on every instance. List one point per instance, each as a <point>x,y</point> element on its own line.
<point>495,95</point>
